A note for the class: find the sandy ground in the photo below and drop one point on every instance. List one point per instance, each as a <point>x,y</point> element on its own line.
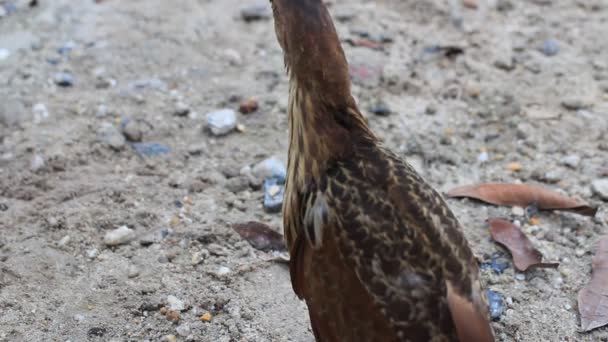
<point>525,81</point>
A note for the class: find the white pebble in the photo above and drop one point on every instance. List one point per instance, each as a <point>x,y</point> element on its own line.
<point>175,304</point>
<point>222,270</point>
<point>118,236</point>
<point>40,113</point>
<point>221,122</point>
<point>483,157</point>
<point>65,240</point>
<point>518,211</point>
<point>37,163</point>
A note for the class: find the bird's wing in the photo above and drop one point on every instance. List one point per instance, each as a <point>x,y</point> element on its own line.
<point>406,248</point>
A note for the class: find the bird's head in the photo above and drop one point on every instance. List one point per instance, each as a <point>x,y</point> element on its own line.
<point>313,53</point>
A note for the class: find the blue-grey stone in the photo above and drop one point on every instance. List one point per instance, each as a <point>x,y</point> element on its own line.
<point>274,190</point>
<point>550,47</point>
<point>498,264</point>
<point>496,304</point>
<point>151,149</point>
<point>271,167</point>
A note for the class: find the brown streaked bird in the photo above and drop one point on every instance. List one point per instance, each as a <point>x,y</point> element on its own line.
<point>375,251</point>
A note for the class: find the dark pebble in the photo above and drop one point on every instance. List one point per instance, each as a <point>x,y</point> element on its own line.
<point>255,13</point>
<point>178,203</point>
<point>3,207</point>
<point>64,79</point>
<point>380,108</point>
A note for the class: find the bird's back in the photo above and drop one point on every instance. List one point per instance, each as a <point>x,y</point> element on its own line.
<point>390,251</point>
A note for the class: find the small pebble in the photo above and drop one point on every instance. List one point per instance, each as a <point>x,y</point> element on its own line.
<point>256,12</point>
<point>206,317</point>
<point>4,53</point>
<point>111,136</point>
<point>40,113</point>
<point>496,304</point>
<point>221,122</point>
<point>483,157</point>
<point>64,79</point>
<point>380,108</point>
<point>133,271</point>
<point>550,47</point>
<point>151,149</point>
<point>118,236</point>
<point>132,130</point>
<point>175,303</point>
<point>102,111</point>
<point>37,163</point>
<point>518,211</point>
<point>520,276</point>
<point>183,330</point>
<point>515,167</point>
<point>181,109</point>
<point>170,338</point>
<point>571,161</point>
<point>430,109</point>
<point>574,103</point>
<point>64,241</point>
<point>66,48</point>
<point>600,188</point>
<point>273,195</point>
<point>497,264</point>
<point>271,167</point>
<point>223,270</point>
<point>249,106</point>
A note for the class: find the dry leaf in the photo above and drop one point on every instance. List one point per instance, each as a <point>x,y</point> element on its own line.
<point>522,195</point>
<point>260,236</point>
<point>523,252</point>
<point>470,3</point>
<point>593,298</point>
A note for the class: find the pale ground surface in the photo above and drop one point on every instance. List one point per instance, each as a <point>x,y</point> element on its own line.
<point>59,282</point>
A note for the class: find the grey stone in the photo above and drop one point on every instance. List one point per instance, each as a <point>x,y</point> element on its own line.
<point>600,188</point>
<point>109,135</point>
<point>571,161</point>
<point>37,163</point>
<point>270,167</point>
<point>118,236</point>
<point>221,122</point>
<point>12,111</point>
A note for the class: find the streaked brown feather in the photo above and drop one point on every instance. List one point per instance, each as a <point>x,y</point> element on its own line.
<point>375,252</point>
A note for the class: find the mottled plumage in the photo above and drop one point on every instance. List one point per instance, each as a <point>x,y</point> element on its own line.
<point>375,252</point>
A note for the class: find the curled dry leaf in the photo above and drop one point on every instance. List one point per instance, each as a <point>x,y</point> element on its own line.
<point>523,195</point>
<point>593,298</point>
<point>260,236</point>
<point>523,252</point>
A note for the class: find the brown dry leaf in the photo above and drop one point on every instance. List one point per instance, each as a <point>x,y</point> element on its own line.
<point>524,254</point>
<point>470,3</point>
<point>522,195</point>
<point>593,298</point>
<point>260,236</point>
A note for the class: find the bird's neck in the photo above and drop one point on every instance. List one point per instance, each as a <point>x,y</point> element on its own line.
<point>321,130</point>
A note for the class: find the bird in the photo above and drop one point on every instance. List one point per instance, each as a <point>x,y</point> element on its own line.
<point>375,251</point>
